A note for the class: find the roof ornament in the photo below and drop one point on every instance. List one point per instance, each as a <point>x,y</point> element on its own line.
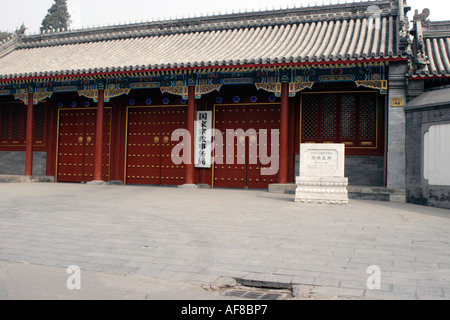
<point>20,32</point>
<point>420,59</point>
<point>423,17</point>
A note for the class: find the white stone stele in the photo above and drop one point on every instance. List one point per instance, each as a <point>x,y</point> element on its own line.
<point>321,177</point>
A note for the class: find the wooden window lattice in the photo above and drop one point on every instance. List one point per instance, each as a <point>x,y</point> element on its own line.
<point>310,117</point>
<point>348,108</point>
<point>39,122</point>
<point>367,117</point>
<point>4,121</point>
<point>329,117</point>
<point>13,121</point>
<point>340,118</point>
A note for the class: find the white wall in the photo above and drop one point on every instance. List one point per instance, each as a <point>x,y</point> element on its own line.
<point>436,155</point>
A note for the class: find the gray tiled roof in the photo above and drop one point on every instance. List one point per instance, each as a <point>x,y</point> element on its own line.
<point>284,37</point>
<point>431,48</point>
<point>438,50</point>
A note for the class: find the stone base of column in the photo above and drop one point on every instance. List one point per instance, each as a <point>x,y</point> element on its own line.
<point>282,188</point>
<point>96,183</point>
<point>115,183</point>
<point>188,186</point>
<point>327,190</point>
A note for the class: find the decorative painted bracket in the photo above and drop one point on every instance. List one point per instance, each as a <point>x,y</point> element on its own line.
<point>299,86</point>
<point>275,88</point>
<point>205,89</point>
<point>112,93</point>
<point>37,97</point>
<point>109,94</point>
<point>90,94</point>
<point>199,90</point>
<point>381,85</point>
<point>270,87</point>
<point>178,90</point>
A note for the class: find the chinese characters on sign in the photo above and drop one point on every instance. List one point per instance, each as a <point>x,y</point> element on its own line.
<point>322,159</point>
<point>203,135</point>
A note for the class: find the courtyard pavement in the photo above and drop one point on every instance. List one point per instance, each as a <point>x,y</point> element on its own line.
<point>161,236</point>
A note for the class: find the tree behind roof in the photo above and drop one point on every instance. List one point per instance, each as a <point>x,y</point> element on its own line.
<point>58,16</point>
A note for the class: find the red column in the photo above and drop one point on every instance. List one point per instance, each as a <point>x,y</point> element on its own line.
<point>30,136</point>
<point>98,164</point>
<point>284,133</point>
<point>190,167</point>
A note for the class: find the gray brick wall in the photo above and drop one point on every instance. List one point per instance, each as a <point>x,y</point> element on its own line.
<point>418,190</point>
<point>365,170</point>
<point>13,163</point>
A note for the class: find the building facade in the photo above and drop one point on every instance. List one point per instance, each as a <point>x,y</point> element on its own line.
<point>103,104</point>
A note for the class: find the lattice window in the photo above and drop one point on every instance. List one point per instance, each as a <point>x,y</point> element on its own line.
<point>4,121</point>
<point>349,118</point>
<point>367,122</point>
<point>329,117</point>
<point>13,121</point>
<point>39,122</point>
<point>310,117</point>
<point>18,131</point>
<point>348,105</point>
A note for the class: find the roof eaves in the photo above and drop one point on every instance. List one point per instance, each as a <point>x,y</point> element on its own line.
<point>217,65</point>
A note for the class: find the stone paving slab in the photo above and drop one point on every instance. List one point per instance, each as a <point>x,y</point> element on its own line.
<point>199,235</point>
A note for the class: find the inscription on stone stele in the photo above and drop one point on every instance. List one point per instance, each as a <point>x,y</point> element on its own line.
<point>322,160</point>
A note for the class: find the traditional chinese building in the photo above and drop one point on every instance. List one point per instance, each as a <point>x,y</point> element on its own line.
<point>101,104</point>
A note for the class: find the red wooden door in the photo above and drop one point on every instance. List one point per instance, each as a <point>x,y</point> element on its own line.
<point>172,118</point>
<point>150,145</point>
<point>143,166</point>
<point>264,119</point>
<point>230,173</point>
<point>71,142</point>
<point>246,168</point>
<point>76,145</point>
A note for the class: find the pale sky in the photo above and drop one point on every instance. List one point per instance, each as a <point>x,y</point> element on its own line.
<point>88,13</point>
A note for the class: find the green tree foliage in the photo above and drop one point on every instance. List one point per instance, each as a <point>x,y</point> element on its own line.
<point>58,16</point>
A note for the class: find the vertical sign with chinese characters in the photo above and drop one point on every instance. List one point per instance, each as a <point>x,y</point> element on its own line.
<point>203,138</point>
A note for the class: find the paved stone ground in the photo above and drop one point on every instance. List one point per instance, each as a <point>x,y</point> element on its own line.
<point>196,236</point>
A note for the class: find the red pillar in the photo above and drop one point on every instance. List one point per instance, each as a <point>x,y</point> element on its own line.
<point>98,164</point>
<point>30,136</point>
<point>190,167</point>
<point>284,133</point>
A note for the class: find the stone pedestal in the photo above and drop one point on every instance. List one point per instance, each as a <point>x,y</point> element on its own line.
<point>321,177</point>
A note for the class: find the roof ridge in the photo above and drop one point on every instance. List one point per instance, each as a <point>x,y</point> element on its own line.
<point>351,4</point>
<point>9,44</point>
<point>203,24</point>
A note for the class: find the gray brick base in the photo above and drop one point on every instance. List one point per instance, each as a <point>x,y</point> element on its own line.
<point>13,163</point>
